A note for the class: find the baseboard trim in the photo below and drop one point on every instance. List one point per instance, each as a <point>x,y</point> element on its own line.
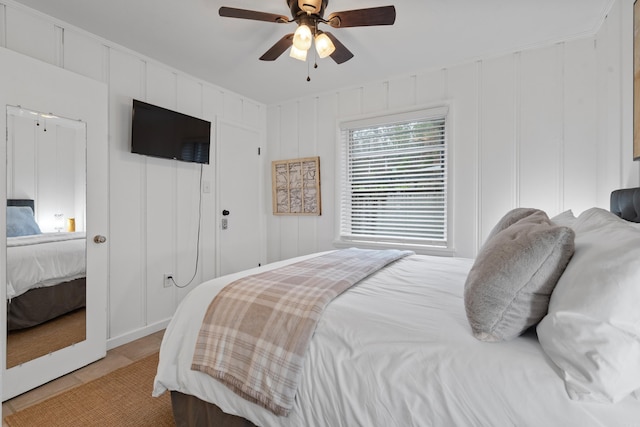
<point>136,334</point>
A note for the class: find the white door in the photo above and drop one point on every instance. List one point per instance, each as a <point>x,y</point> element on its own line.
<point>44,88</point>
<point>238,188</point>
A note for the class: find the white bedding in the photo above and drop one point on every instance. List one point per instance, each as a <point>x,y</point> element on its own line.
<point>397,350</point>
<point>44,260</point>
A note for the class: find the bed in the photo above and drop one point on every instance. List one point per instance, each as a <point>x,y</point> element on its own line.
<point>45,271</point>
<point>417,342</point>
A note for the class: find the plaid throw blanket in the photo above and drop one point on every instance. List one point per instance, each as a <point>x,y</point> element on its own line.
<point>257,329</point>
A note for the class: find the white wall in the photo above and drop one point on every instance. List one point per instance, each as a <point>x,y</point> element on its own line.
<point>153,203</point>
<point>548,128</point>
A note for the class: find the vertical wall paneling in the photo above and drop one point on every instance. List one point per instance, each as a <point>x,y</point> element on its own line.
<point>188,197</point>
<point>537,128</point>
<point>402,92</point>
<point>541,127</point>
<point>127,207</point>
<point>289,149</point>
<point>83,55</point>
<point>161,210</point>
<point>610,143</point>
<point>162,204</point>
<point>547,127</point>
<point>430,87</point>
<point>212,107</point>
<point>326,116</point>
<point>375,97</point>
<point>350,102</point>
<point>272,152</point>
<point>308,147</point>
<point>30,34</point>
<point>579,126</point>
<point>153,203</point>
<point>517,135</point>
<point>161,86</point>
<point>497,150</point>
<point>58,52</point>
<point>463,156</point>
<point>232,107</point>
<point>252,114</point>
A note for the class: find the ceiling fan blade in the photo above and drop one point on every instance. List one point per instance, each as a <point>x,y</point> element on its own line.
<point>278,49</point>
<point>231,12</point>
<point>384,15</point>
<point>341,54</point>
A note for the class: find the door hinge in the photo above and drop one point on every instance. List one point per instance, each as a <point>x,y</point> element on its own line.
<point>258,151</point>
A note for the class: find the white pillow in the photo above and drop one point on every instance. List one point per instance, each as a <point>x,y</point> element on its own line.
<point>592,330</point>
<point>566,218</point>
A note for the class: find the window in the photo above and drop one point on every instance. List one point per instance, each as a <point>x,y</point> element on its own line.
<point>394,179</point>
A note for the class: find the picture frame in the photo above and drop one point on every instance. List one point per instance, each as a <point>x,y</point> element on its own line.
<point>295,185</point>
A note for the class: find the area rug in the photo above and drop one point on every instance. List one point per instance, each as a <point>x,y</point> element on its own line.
<point>120,398</point>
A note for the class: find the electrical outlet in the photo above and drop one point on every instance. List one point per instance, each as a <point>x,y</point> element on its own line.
<point>168,280</point>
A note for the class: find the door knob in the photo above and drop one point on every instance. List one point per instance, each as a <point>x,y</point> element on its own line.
<point>99,239</point>
<point>225,212</point>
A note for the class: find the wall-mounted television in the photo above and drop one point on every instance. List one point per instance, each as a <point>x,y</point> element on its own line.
<point>159,132</point>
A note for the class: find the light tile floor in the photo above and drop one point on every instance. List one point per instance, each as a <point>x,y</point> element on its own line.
<point>115,358</point>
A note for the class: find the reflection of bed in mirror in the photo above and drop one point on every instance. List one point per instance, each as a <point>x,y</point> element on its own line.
<point>45,271</point>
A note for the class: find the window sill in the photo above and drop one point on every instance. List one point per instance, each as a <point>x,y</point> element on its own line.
<point>418,249</point>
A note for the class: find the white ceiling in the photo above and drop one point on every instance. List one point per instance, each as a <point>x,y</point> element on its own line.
<point>190,36</point>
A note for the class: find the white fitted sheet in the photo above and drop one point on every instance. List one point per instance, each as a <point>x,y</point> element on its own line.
<point>396,350</point>
<point>44,260</point>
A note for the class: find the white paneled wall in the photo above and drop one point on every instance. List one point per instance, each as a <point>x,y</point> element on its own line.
<point>153,203</point>
<point>546,128</point>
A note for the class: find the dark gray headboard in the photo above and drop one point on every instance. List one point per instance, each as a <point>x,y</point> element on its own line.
<point>626,203</point>
<point>22,202</point>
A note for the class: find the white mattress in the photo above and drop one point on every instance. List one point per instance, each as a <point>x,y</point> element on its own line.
<point>396,350</point>
<point>44,260</point>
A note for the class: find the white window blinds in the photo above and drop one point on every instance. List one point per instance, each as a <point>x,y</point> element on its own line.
<point>394,179</point>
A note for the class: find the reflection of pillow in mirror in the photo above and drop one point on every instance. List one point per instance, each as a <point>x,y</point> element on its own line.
<point>20,222</point>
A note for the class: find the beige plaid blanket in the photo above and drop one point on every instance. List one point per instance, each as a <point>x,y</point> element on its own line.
<point>257,330</point>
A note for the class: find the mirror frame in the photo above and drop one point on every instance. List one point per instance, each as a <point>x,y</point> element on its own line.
<point>39,86</point>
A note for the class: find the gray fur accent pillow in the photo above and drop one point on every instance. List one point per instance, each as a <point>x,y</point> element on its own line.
<point>510,218</point>
<point>510,284</point>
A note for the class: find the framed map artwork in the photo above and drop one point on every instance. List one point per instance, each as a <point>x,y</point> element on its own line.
<point>295,186</point>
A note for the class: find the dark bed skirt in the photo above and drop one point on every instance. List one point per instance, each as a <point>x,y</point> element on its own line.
<point>39,305</point>
<point>189,411</point>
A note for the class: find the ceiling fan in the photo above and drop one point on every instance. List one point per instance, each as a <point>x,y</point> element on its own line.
<point>308,14</point>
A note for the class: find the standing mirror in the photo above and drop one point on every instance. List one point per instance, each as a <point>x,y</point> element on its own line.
<point>46,239</point>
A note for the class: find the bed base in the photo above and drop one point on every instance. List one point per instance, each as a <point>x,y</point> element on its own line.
<point>189,411</point>
<point>39,305</point>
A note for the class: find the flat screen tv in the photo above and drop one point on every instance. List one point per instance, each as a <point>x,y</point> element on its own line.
<point>158,132</point>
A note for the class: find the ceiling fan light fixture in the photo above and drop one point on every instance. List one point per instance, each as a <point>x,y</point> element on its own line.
<point>310,6</point>
<point>299,54</point>
<point>324,45</point>
<point>302,37</point>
